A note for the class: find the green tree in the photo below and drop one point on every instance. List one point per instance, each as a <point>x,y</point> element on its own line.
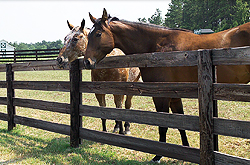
<point>174,16</point>
<point>156,18</point>
<point>212,14</point>
<point>38,45</point>
<point>142,19</point>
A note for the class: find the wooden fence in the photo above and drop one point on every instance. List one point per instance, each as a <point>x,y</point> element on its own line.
<point>205,90</point>
<point>28,55</point>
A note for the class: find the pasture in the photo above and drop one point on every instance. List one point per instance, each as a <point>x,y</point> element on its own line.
<point>26,145</point>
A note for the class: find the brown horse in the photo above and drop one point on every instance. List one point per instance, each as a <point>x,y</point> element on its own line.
<point>75,46</point>
<point>133,37</point>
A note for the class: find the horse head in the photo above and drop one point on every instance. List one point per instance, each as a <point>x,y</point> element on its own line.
<point>75,44</point>
<point>100,40</point>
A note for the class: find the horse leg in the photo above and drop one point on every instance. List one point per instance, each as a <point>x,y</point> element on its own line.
<point>177,107</point>
<point>101,100</point>
<point>117,127</point>
<point>118,103</point>
<point>127,106</point>
<point>161,105</point>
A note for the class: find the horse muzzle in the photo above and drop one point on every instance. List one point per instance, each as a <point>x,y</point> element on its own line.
<point>61,62</point>
<point>89,64</point>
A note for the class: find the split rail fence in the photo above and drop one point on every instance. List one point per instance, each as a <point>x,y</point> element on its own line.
<point>206,90</point>
<point>28,55</point>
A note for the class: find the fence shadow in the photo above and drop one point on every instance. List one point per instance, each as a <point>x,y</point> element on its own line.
<point>58,151</point>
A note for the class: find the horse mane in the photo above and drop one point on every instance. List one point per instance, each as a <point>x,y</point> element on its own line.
<point>146,25</point>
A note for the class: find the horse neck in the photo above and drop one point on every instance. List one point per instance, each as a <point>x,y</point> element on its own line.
<point>133,39</point>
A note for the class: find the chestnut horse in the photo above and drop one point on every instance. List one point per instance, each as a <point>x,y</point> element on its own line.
<point>133,37</point>
<point>75,46</point>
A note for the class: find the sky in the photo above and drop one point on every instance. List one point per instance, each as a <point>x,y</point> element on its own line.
<point>37,20</point>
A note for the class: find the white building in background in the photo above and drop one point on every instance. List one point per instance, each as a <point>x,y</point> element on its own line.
<point>4,46</point>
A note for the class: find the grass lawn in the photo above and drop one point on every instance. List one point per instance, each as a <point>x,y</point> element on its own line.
<point>26,145</point>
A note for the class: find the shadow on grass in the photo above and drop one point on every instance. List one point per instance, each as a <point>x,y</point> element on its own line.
<point>32,150</point>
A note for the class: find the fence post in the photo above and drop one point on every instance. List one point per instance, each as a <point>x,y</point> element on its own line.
<point>10,95</point>
<point>36,56</point>
<point>215,108</point>
<point>75,100</point>
<point>205,96</point>
<point>14,56</point>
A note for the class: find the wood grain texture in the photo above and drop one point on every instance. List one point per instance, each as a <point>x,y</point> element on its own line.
<point>233,128</point>
<point>231,56</point>
<point>3,116</point>
<point>3,84</point>
<point>3,100</point>
<point>223,159</point>
<point>10,95</point>
<point>35,66</point>
<point>148,146</point>
<point>44,125</point>
<point>228,56</point>
<point>205,97</point>
<point>43,105</point>
<point>63,86</point>
<point>143,117</point>
<point>75,96</point>
<point>173,90</point>
<point>156,59</point>
<point>232,92</point>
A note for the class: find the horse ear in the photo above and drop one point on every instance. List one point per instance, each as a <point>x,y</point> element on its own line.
<point>70,25</point>
<point>93,19</point>
<point>114,19</point>
<point>104,15</point>
<point>82,24</point>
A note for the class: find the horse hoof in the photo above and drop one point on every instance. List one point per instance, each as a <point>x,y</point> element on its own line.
<point>122,133</point>
<point>127,132</point>
<point>116,130</point>
<point>157,161</point>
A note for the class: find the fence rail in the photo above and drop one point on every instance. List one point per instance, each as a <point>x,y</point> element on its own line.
<point>205,90</point>
<point>17,56</point>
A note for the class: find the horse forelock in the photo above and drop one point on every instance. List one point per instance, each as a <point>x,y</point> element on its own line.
<point>75,32</point>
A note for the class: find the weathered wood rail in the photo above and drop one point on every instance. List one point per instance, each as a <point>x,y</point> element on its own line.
<point>205,90</point>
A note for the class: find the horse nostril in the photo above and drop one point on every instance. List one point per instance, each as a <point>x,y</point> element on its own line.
<point>87,63</point>
<point>59,60</point>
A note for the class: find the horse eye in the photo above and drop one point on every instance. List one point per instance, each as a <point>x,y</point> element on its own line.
<point>98,34</point>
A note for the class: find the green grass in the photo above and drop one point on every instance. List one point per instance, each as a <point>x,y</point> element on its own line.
<point>26,145</point>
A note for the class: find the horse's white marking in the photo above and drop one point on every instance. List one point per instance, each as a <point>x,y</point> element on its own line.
<point>91,30</point>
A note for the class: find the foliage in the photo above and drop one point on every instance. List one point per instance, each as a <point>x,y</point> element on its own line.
<point>174,17</point>
<point>203,14</point>
<point>38,45</point>
<point>156,18</point>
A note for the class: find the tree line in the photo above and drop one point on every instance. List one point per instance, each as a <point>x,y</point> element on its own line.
<point>186,14</point>
<point>203,14</point>
<point>38,45</point>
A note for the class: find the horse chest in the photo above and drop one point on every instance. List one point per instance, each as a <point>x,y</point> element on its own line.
<point>116,74</point>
